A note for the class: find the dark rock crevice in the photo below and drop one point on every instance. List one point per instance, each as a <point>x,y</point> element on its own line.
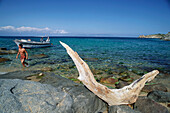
<point>11,90</point>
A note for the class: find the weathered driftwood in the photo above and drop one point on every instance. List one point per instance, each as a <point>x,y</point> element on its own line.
<point>125,95</point>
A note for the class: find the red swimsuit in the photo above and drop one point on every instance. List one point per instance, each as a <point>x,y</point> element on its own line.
<point>22,56</point>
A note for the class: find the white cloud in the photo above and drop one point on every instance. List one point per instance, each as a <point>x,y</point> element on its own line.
<point>7,28</point>
<point>24,29</point>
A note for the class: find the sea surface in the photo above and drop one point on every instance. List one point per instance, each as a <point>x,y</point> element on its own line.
<point>99,52</point>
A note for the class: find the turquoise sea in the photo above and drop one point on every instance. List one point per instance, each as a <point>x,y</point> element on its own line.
<point>100,53</point>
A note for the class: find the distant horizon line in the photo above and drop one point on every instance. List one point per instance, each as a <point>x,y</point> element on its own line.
<point>71,36</point>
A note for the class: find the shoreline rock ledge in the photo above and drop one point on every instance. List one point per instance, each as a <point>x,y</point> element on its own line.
<point>23,96</point>
<point>54,94</point>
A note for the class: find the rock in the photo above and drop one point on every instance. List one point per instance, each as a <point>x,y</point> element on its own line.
<point>116,69</point>
<point>150,36</point>
<point>35,77</point>
<point>161,36</point>
<point>167,37</point>
<point>3,48</point>
<point>121,84</point>
<point>121,109</point>
<point>39,56</point>
<point>108,80</point>
<point>60,95</point>
<point>159,96</point>
<point>146,105</point>
<point>91,59</point>
<point>19,74</point>
<point>2,53</point>
<point>7,52</point>
<point>4,60</point>
<point>111,86</point>
<point>139,71</point>
<point>83,100</point>
<point>168,105</point>
<point>18,96</point>
<point>96,71</point>
<point>154,87</point>
<point>47,69</point>
<point>128,79</point>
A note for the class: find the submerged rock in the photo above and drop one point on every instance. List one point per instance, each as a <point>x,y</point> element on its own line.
<point>4,60</point>
<point>108,80</point>
<point>3,52</point>
<point>39,56</point>
<point>91,59</point>
<point>146,105</point>
<point>121,84</point>
<point>159,96</point>
<point>47,69</point>
<point>3,48</point>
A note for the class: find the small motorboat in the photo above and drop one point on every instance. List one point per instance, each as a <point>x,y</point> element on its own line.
<point>33,44</point>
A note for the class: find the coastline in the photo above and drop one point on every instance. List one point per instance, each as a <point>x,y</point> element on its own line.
<point>165,37</point>
<point>107,68</point>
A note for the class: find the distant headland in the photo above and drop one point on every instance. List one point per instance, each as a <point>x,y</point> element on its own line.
<point>161,36</point>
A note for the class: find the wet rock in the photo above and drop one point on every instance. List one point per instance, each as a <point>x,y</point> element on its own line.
<point>154,87</point>
<point>96,71</point>
<point>4,60</point>
<point>128,76</point>
<point>146,105</point>
<point>138,71</point>
<point>108,80</point>
<point>121,68</point>
<point>133,75</point>
<point>19,74</point>
<point>121,84</point>
<point>168,105</point>
<point>35,77</point>
<point>47,69</point>
<point>126,79</point>
<point>122,109</point>
<point>74,79</point>
<point>91,59</point>
<point>2,53</point>
<point>159,96</point>
<point>111,86</point>
<point>7,52</point>
<point>115,69</point>
<point>3,48</point>
<point>111,71</point>
<point>39,56</point>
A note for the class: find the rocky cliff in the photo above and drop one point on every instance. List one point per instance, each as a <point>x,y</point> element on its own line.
<point>161,36</point>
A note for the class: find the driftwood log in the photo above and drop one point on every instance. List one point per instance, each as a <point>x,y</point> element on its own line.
<point>125,95</point>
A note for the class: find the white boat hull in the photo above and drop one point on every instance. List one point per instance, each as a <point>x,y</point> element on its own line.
<point>32,44</point>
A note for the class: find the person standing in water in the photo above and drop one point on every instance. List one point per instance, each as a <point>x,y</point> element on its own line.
<point>23,55</point>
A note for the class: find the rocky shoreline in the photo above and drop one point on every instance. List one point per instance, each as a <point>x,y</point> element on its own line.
<point>54,93</point>
<point>161,36</point>
<point>57,89</point>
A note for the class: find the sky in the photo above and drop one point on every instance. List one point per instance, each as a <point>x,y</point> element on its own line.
<point>126,18</point>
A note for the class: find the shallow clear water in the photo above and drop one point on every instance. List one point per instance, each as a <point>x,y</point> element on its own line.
<point>130,52</point>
